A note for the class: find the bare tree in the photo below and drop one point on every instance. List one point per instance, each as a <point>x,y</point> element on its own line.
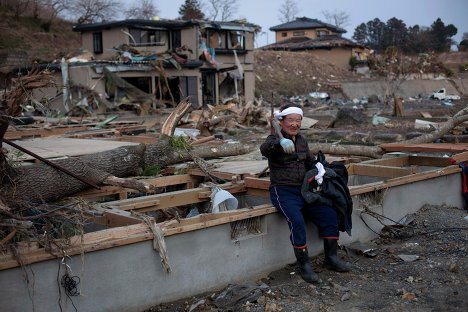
<point>52,8</point>
<point>146,9</point>
<point>288,11</point>
<point>93,11</point>
<point>18,7</point>
<point>337,18</point>
<point>222,10</point>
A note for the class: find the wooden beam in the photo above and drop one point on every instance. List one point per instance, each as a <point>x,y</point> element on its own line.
<point>115,218</point>
<point>427,147</point>
<point>382,171</point>
<point>257,183</point>
<point>371,187</point>
<point>429,161</point>
<point>227,176</point>
<point>399,161</point>
<point>158,182</point>
<point>204,221</point>
<point>173,199</point>
<point>460,157</point>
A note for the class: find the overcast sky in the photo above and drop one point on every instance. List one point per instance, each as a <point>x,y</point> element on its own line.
<point>422,12</point>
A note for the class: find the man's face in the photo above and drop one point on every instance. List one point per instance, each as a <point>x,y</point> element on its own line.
<point>291,124</point>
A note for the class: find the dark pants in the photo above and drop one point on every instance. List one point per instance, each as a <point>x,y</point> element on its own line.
<point>288,200</point>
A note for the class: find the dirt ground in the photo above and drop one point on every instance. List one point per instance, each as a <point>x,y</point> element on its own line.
<point>418,267</point>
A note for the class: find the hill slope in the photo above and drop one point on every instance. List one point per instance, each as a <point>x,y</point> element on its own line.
<point>25,39</point>
<point>295,73</point>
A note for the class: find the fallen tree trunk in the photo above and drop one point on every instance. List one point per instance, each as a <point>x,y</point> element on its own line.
<point>346,150</point>
<point>42,183</point>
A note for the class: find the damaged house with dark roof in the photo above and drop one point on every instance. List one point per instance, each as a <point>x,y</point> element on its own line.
<point>157,62</point>
<point>320,39</point>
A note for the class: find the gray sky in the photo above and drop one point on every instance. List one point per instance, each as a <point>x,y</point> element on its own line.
<point>412,12</point>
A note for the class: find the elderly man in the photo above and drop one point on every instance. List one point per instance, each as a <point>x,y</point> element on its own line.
<point>289,159</point>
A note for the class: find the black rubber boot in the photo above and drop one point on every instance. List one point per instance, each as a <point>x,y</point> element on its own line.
<point>332,261</point>
<point>305,268</point>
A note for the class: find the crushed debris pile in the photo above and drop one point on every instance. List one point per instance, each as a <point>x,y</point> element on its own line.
<point>295,73</point>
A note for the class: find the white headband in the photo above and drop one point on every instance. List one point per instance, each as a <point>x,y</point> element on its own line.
<point>288,111</point>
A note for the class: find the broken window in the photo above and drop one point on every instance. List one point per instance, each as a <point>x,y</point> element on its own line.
<point>142,83</point>
<point>144,37</point>
<point>213,39</point>
<point>176,40</point>
<point>97,42</point>
<point>208,87</point>
<point>224,39</point>
<point>229,86</point>
<point>189,88</point>
<point>284,34</point>
<point>236,40</point>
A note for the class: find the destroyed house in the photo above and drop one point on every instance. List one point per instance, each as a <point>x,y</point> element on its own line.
<point>167,59</point>
<point>320,39</point>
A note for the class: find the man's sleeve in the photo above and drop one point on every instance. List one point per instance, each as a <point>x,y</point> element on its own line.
<point>271,146</point>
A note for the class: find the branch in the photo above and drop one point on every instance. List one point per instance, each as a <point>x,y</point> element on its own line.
<point>129,183</point>
<point>457,119</point>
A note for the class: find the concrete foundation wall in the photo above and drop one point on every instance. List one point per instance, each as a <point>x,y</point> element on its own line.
<point>409,88</point>
<point>130,278</point>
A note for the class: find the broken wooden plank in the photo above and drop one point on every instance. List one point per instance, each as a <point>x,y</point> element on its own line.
<point>257,183</point>
<point>399,161</point>
<point>371,187</point>
<point>426,147</point>
<point>460,157</point>
<point>115,217</point>
<point>226,176</point>
<point>171,122</point>
<point>381,171</point>
<point>429,161</point>
<point>173,199</point>
<point>221,219</point>
<point>156,182</point>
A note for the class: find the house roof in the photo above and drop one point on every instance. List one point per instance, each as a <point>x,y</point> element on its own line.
<point>306,23</point>
<point>305,43</point>
<point>167,24</point>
